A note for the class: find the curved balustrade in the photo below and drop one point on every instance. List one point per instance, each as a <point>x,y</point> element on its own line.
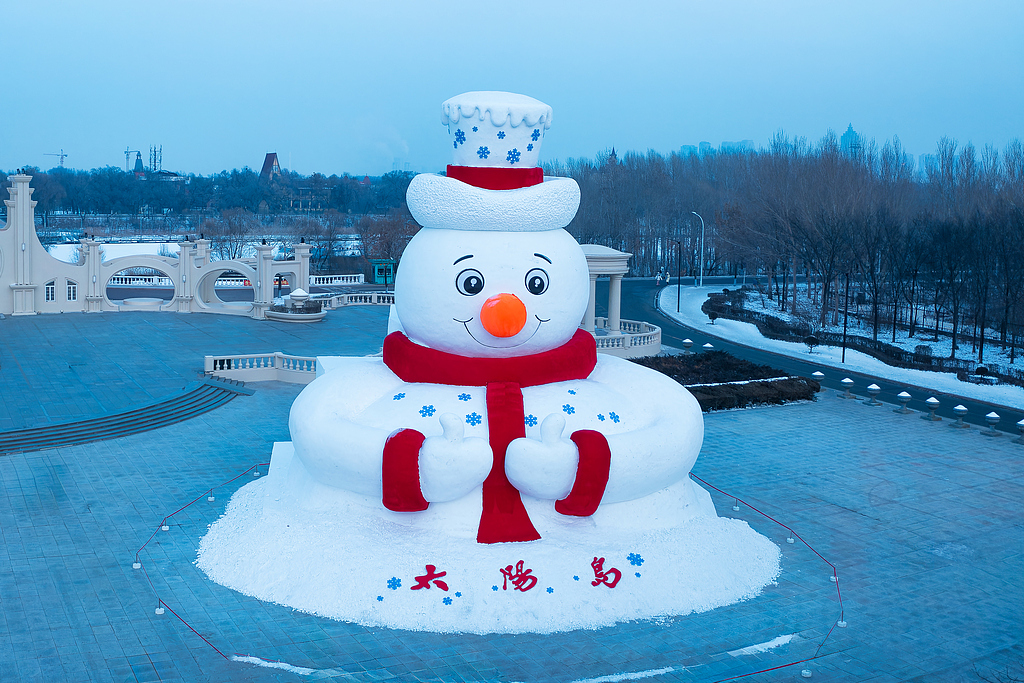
<point>633,340</point>
<point>262,367</point>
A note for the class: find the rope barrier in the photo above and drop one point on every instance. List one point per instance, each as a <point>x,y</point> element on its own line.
<point>835,578</point>
<point>256,467</point>
<point>139,565</point>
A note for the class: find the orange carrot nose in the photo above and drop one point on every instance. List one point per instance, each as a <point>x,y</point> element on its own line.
<point>503,315</point>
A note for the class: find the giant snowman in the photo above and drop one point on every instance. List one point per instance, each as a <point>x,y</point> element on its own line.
<point>489,472</point>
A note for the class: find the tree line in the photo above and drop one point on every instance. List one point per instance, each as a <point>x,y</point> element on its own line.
<point>939,246</point>
<point>110,190</point>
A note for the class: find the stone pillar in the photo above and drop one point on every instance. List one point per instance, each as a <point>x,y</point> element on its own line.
<point>22,216</point>
<point>588,320</point>
<point>302,263</point>
<point>614,304</point>
<point>184,286</point>
<point>94,285</point>
<point>264,283</point>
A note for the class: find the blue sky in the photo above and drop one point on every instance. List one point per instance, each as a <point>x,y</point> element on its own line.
<point>356,86</point>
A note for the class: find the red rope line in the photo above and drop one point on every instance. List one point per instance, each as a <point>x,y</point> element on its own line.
<point>163,522</point>
<point>835,576</point>
<point>164,604</point>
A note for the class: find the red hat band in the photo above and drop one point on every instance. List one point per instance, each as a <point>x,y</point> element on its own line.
<point>497,178</point>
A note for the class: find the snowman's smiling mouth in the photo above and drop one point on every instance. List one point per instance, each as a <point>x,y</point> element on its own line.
<point>465,323</point>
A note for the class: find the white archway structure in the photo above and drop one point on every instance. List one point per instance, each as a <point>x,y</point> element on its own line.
<point>38,283</point>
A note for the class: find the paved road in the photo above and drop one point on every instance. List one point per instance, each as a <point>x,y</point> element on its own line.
<point>638,303</point>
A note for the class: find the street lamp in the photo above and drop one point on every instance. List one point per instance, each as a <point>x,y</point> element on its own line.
<point>701,247</point>
<point>679,260</point>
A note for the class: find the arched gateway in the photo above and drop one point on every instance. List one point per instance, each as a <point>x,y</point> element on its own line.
<point>38,283</point>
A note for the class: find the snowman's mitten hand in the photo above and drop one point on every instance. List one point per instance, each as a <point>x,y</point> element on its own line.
<point>546,468</point>
<point>450,465</point>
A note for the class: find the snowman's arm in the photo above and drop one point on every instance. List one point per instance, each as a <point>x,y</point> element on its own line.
<point>649,459</point>
<point>334,449</point>
<point>664,447</point>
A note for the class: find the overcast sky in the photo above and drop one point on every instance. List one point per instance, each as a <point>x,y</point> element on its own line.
<point>356,87</point>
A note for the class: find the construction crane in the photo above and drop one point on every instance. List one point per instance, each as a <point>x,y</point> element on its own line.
<point>60,154</point>
<point>127,157</point>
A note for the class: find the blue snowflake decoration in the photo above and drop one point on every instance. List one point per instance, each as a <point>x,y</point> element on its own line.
<point>530,421</point>
<point>399,396</point>
<point>483,152</point>
<point>447,601</point>
<point>474,419</point>
<point>458,594</point>
<point>575,578</point>
<point>475,129</point>
<point>501,135</point>
<point>464,397</point>
<point>427,411</point>
<point>394,583</point>
<point>635,559</point>
<point>380,598</point>
<point>460,137</point>
<point>535,135</point>
<point>494,588</point>
<point>513,156</point>
<point>550,589</point>
<point>572,391</point>
<point>614,417</point>
<point>600,416</point>
<point>529,147</point>
<point>637,574</point>
<point>569,410</point>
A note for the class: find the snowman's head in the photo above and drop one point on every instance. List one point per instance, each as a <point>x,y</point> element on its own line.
<point>491,294</point>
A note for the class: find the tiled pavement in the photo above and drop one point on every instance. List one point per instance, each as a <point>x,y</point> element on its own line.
<point>922,522</point>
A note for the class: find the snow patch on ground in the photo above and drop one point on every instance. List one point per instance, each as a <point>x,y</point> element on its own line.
<point>360,567</point>
<point>762,647</point>
<point>746,333</point>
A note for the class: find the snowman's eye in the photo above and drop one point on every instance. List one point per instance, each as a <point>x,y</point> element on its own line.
<point>469,282</point>
<point>537,281</point>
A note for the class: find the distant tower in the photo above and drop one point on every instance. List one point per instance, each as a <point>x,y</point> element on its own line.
<point>140,171</point>
<point>156,158</point>
<point>271,167</point>
<point>849,143</point>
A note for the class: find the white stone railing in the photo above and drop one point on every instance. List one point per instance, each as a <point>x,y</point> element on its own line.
<point>262,367</point>
<point>323,280</point>
<point>357,299</point>
<point>141,281</point>
<point>636,338</point>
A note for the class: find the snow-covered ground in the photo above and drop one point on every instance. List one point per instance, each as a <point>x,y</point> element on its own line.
<point>356,562</point>
<point>995,356</point>
<point>746,333</point>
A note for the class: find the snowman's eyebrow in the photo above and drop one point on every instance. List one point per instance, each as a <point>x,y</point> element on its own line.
<point>463,258</point>
<point>543,257</point>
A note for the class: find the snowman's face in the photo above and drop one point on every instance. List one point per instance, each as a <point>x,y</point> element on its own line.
<point>491,294</point>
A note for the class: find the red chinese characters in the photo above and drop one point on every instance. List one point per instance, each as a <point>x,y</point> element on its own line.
<point>431,575</point>
<point>604,576</point>
<point>522,579</point>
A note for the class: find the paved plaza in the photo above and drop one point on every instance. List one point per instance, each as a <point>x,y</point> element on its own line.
<point>922,523</point>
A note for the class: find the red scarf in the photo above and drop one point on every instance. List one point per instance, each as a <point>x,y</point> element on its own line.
<point>504,517</point>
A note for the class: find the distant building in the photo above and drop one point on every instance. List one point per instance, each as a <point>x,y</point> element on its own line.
<point>705,148</point>
<point>271,167</point>
<point>849,143</point>
<point>741,146</point>
<point>687,150</point>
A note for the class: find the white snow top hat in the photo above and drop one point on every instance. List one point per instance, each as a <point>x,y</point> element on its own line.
<point>495,182</point>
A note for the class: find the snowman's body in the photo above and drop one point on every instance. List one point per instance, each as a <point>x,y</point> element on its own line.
<point>341,422</point>
<point>653,426</point>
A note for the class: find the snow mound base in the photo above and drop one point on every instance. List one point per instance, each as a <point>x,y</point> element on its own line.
<point>364,568</point>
